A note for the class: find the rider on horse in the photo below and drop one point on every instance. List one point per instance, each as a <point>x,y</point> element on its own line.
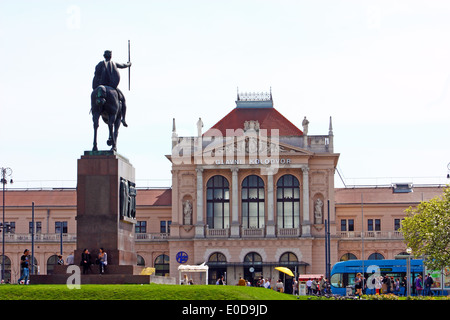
<point>106,74</point>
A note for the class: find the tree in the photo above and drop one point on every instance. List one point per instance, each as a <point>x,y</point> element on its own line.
<point>426,230</point>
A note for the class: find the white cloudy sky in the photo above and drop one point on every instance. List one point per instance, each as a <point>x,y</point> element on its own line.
<point>381,69</point>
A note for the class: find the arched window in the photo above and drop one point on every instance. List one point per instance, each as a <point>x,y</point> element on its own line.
<point>252,267</point>
<point>218,203</point>
<point>217,264</point>
<point>162,265</point>
<point>252,258</point>
<point>253,202</point>
<point>288,202</point>
<point>288,257</point>
<point>7,271</point>
<point>376,256</point>
<point>217,258</point>
<point>140,261</point>
<point>52,261</point>
<point>348,256</point>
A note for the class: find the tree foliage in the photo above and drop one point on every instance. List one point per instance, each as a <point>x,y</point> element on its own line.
<point>426,230</point>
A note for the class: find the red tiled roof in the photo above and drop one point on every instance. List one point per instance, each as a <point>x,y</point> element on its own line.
<point>268,118</point>
<point>154,197</point>
<point>68,197</point>
<point>377,195</point>
<point>24,198</point>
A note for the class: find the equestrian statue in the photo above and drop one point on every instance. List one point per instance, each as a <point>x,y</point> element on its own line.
<point>107,100</point>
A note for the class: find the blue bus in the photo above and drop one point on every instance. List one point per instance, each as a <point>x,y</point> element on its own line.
<point>343,273</point>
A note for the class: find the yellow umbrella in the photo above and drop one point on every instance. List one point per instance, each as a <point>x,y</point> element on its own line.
<point>285,270</point>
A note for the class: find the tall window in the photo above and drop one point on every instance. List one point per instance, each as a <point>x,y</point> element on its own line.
<point>37,227</point>
<point>288,202</point>
<point>162,266</point>
<point>164,226</point>
<point>218,203</point>
<point>371,226</point>
<point>253,202</point>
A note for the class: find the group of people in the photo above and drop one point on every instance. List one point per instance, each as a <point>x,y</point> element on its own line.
<point>313,286</point>
<point>187,281</point>
<point>86,260</point>
<point>101,261</point>
<point>318,286</point>
<point>388,285</point>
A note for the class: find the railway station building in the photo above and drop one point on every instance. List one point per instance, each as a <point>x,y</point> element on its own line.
<point>251,193</point>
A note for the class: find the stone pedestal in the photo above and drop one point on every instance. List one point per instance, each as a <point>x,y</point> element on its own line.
<point>101,201</point>
<point>106,208</point>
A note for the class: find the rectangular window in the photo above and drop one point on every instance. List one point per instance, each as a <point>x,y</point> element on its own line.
<point>347,225</point>
<point>373,224</point>
<point>397,224</point>
<point>343,224</point>
<point>351,225</point>
<point>10,227</point>
<point>141,227</point>
<point>61,226</point>
<point>377,225</point>
<point>165,226</point>
<point>37,227</point>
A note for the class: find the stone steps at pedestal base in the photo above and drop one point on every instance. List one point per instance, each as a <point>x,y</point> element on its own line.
<point>91,279</point>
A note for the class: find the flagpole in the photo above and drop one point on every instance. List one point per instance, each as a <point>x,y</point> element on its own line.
<point>129,67</point>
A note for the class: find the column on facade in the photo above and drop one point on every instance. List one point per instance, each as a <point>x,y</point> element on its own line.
<point>306,226</point>
<point>200,225</point>
<point>235,226</point>
<point>270,229</point>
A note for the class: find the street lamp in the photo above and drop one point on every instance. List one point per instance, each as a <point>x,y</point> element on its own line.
<point>448,172</point>
<point>5,172</point>
<point>408,272</point>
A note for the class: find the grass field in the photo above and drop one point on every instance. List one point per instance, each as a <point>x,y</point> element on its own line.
<point>138,292</point>
<point>160,292</point>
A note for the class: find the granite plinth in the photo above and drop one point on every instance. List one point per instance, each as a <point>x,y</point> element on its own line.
<point>99,224</point>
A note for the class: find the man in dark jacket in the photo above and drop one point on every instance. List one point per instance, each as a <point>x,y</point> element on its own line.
<point>107,74</point>
<point>428,283</point>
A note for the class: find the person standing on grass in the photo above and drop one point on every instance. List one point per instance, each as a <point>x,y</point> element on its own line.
<point>24,267</point>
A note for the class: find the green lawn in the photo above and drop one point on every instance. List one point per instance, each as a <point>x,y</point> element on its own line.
<point>157,292</point>
<point>138,292</point>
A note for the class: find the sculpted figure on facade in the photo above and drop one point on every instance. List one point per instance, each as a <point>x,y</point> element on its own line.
<point>318,212</point>
<point>187,212</point>
<point>305,123</point>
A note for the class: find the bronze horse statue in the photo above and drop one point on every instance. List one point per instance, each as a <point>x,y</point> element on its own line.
<point>105,102</point>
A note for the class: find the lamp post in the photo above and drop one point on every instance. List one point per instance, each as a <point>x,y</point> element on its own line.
<point>448,172</point>
<point>5,172</point>
<point>408,272</point>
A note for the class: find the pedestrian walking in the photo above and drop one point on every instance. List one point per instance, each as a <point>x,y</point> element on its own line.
<point>24,267</point>
<point>308,287</point>
<point>358,284</point>
<point>419,285</point>
<point>314,286</point>
<point>294,287</point>
<point>378,281</point>
<point>428,284</point>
